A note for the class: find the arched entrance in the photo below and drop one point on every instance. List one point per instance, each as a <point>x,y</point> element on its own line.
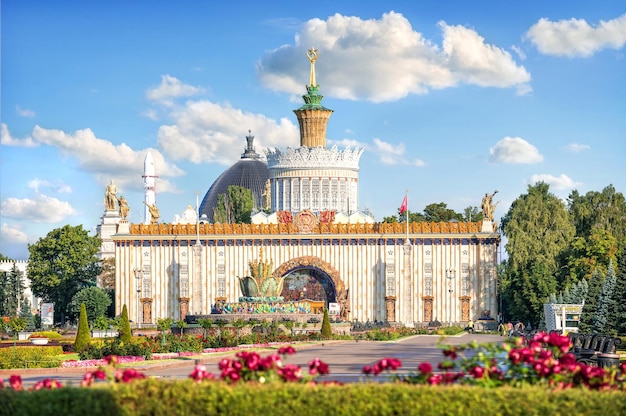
<point>312,278</point>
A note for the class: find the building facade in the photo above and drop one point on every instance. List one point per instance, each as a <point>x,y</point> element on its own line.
<point>314,234</point>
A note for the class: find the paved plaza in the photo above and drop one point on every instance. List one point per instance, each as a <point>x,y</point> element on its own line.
<point>346,359</point>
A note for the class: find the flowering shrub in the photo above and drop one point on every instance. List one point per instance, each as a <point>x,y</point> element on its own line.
<point>545,360</point>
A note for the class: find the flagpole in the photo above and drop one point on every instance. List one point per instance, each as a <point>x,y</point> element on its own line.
<point>407,216</point>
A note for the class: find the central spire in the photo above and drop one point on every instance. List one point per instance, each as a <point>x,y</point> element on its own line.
<point>313,116</point>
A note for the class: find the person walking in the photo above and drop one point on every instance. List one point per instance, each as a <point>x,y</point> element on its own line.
<point>470,327</point>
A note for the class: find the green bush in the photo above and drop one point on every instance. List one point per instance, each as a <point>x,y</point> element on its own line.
<point>47,334</point>
<point>158,397</point>
<point>139,347</point>
<point>30,357</point>
<point>83,337</point>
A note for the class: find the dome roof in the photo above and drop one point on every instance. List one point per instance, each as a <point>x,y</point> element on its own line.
<point>250,172</point>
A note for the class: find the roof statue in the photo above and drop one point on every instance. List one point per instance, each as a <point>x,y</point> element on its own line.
<point>488,206</point>
<point>124,208</point>
<point>110,196</point>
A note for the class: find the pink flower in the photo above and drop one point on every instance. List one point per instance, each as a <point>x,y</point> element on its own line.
<point>200,372</point>
<point>128,375</point>
<point>286,350</point>
<point>425,368</point>
<point>15,382</point>
<point>317,366</point>
<point>47,383</point>
<point>110,359</point>
<point>450,352</point>
<point>290,373</point>
<point>477,372</point>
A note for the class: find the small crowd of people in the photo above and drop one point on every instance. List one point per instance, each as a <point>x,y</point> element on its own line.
<point>508,329</point>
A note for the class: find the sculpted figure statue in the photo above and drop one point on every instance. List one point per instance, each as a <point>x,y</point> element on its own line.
<point>488,206</point>
<point>124,208</point>
<point>154,213</point>
<point>110,196</point>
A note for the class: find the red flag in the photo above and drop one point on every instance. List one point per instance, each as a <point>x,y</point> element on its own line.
<point>404,206</point>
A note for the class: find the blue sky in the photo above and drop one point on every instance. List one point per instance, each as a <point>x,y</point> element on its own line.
<point>452,99</point>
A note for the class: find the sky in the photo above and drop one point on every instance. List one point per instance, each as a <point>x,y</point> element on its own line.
<point>451,100</point>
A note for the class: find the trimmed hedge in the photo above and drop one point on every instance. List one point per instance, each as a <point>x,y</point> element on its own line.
<point>160,397</point>
<point>30,357</point>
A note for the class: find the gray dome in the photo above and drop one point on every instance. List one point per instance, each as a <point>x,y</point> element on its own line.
<point>250,172</point>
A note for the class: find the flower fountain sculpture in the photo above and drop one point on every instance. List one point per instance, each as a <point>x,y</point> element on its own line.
<point>261,284</point>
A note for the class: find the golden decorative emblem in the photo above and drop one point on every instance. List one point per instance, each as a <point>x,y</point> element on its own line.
<point>305,221</point>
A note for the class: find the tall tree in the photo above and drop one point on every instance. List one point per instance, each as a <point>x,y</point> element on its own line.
<point>619,294</point>
<point>473,214</point>
<point>538,231</point>
<point>11,291</point>
<point>234,206</point>
<point>591,301</point>
<point>605,210</point>
<point>439,212</point>
<point>588,253</point>
<point>95,300</point>
<point>601,319</point>
<point>61,264</point>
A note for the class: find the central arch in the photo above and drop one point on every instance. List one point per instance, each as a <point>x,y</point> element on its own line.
<point>319,268</point>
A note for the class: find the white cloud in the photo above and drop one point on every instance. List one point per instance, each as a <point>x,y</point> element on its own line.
<point>577,147</point>
<point>151,114</point>
<point>346,143</point>
<point>519,52</point>
<point>24,112</point>
<point>576,37</point>
<point>106,160</point>
<point>60,187</point>
<point>206,132</point>
<point>561,182</point>
<point>42,209</point>
<point>389,154</point>
<point>7,140</point>
<point>418,162</point>
<point>514,150</point>
<point>11,235</point>
<point>385,59</point>
<point>170,87</point>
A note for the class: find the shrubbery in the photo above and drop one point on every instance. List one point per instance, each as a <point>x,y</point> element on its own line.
<point>30,357</point>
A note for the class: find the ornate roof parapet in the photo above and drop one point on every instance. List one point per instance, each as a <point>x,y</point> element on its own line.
<point>320,228</point>
<point>314,157</point>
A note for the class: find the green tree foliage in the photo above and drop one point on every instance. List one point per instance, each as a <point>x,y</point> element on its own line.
<point>589,253</point>
<point>61,264</point>
<point>595,286</point>
<point>619,295</point>
<point>601,319</point>
<point>83,337</point>
<point>235,206</point>
<point>605,210</point>
<point>440,213</point>
<point>538,230</point>
<point>17,325</point>
<point>96,301</point>
<point>5,258</point>
<point>26,313</point>
<point>11,291</point>
<point>125,333</point>
<point>473,214</point>
<point>326,332</point>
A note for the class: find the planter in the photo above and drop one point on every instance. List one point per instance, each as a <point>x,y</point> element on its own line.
<point>39,341</point>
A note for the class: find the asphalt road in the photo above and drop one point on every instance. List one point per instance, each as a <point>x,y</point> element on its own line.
<point>346,359</point>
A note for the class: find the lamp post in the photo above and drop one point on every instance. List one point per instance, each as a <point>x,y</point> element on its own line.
<point>450,274</point>
<point>138,280</point>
